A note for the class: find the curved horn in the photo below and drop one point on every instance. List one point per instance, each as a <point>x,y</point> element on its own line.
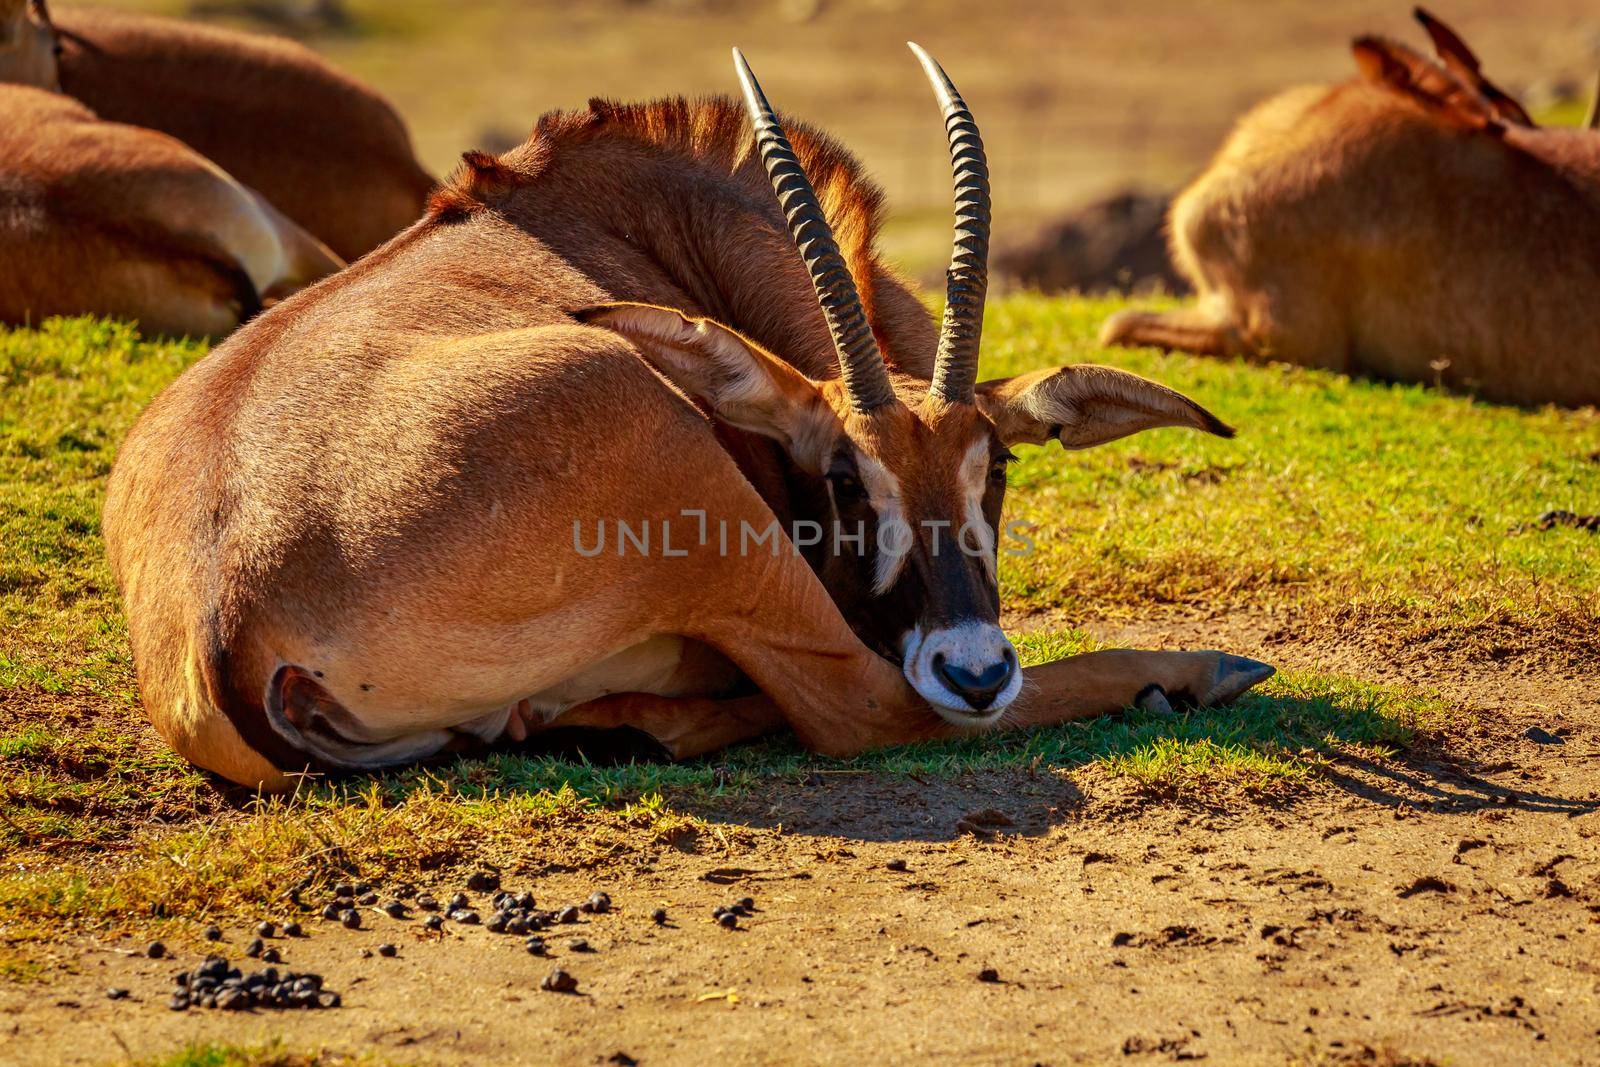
<point>955,369</point>
<point>1593,121</point>
<point>861,365</point>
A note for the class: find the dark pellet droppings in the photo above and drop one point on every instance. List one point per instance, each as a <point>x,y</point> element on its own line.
<point>272,955</point>
<point>395,910</point>
<point>747,903</point>
<point>525,901</point>
<point>266,930</point>
<point>599,903</point>
<point>387,950</point>
<point>498,922</point>
<point>367,900</point>
<point>535,946</point>
<point>212,933</point>
<point>363,887</point>
<point>332,911</point>
<point>292,929</point>
<point>989,974</point>
<point>896,865</point>
<point>351,919</point>
<point>427,903</point>
<point>483,881</point>
<point>254,948</point>
<point>179,1002</point>
<point>458,902</point>
<point>116,993</point>
<point>727,920</point>
<point>659,916</point>
<point>578,944</point>
<point>559,981</point>
<point>433,922</point>
<point>155,950</point>
<point>466,917</point>
<point>568,914</point>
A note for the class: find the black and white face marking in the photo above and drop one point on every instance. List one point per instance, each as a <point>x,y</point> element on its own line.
<point>927,563</point>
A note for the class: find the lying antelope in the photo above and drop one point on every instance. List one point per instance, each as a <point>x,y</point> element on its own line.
<point>373,524</point>
<point>99,218</point>
<point>324,149</point>
<point>1412,224</point>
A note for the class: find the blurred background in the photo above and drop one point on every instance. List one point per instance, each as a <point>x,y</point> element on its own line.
<point>1107,103</point>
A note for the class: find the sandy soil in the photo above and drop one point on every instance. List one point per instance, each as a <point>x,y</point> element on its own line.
<point>1443,908</point>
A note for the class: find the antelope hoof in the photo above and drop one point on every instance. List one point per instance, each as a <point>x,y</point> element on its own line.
<point>1154,699</point>
<point>1234,676</point>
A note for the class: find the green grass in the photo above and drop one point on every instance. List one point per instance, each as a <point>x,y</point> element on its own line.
<point>273,1054</point>
<point>1350,506</point>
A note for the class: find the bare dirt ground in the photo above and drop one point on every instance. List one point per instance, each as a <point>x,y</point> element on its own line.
<point>1443,907</point>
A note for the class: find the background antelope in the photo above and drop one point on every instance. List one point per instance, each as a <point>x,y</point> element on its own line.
<point>324,149</point>
<point>105,219</point>
<point>1413,223</point>
<point>346,538</point>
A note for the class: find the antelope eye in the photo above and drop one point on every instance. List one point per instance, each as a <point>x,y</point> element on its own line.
<point>846,486</point>
<point>997,469</point>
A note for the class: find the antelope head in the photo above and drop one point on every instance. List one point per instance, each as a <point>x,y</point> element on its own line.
<point>28,46</point>
<point>913,471</point>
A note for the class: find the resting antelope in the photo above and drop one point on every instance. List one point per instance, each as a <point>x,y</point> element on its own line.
<point>106,219</point>
<point>323,148</point>
<point>1411,224</point>
<point>364,529</point>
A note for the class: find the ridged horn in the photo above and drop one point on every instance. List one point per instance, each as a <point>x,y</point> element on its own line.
<point>955,368</point>
<point>861,365</point>
<point>1593,121</point>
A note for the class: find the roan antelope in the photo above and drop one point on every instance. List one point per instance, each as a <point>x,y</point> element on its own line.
<point>1412,224</point>
<point>363,531</point>
<point>323,148</point>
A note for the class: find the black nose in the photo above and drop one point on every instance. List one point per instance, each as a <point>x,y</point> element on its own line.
<point>979,690</point>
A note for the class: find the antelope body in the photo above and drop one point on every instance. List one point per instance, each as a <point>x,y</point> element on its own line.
<point>105,219</point>
<point>323,148</point>
<point>362,531</point>
<point>1412,224</point>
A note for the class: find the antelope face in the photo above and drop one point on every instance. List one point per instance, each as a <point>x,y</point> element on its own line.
<point>914,471</point>
<point>28,46</point>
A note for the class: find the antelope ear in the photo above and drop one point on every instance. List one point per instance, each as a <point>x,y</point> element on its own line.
<point>743,384</point>
<point>1086,405</point>
<point>1460,61</point>
<point>1441,93</point>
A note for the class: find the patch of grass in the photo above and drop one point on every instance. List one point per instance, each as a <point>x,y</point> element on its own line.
<point>274,1054</point>
<point>1373,504</point>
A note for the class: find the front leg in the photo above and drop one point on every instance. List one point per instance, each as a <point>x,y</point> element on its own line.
<point>1095,683</point>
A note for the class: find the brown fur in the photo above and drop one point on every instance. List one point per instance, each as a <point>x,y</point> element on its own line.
<point>324,149</point>
<point>1408,225</point>
<point>346,537</point>
<point>101,218</point>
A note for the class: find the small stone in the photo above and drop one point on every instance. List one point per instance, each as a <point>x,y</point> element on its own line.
<point>292,929</point>
<point>578,944</point>
<point>559,981</point>
<point>659,916</point>
<point>155,950</point>
<point>351,918</point>
<point>254,948</point>
<point>116,993</point>
<point>266,929</point>
<point>483,881</point>
<point>727,920</point>
<point>896,865</point>
<point>387,950</point>
<point>212,933</point>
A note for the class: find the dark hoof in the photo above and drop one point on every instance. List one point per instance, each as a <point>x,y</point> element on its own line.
<point>1235,676</point>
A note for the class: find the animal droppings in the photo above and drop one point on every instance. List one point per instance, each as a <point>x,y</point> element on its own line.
<point>254,948</point>
<point>116,993</point>
<point>989,974</point>
<point>433,922</point>
<point>367,900</point>
<point>292,929</point>
<point>155,950</point>
<point>266,929</point>
<point>214,984</point>
<point>568,914</point>
<point>212,933</point>
<point>727,920</point>
<point>395,910</point>
<point>427,903</point>
<point>659,916</point>
<point>896,865</point>
<point>344,889</point>
<point>387,950</point>
<point>331,911</point>
<point>351,918</point>
<point>747,903</point>
<point>578,944</point>
<point>535,946</point>
<point>559,981</point>
<point>483,881</point>
<point>458,902</point>
<point>465,916</point>
<point>272,955</point>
